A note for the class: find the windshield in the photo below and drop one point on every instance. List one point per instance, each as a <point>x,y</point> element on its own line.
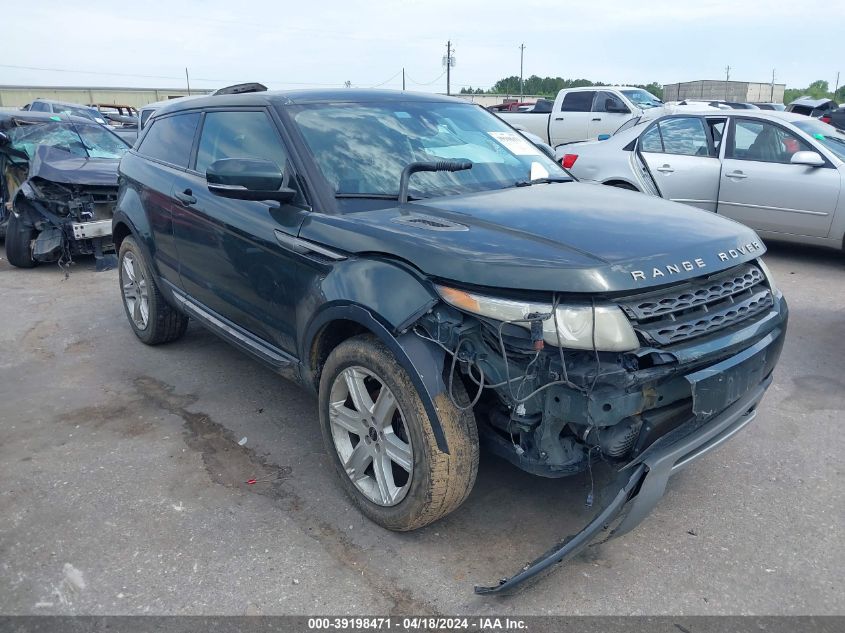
<point>86,113</point>
<point>642,98</point>
<point>825,134</point>
<point>361,149</point>
<point>79,139</point>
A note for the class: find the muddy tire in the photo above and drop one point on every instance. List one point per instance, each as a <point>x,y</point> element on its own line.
<point>153,320</point>
<point>19,238</point>
<point>379,438</point>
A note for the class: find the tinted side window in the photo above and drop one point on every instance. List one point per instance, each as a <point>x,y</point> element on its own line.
<point>684,136</point>
<point>170,138</point>
<point>145,114</point>
<point>578,101</point>
<point>39,106</point>
<point>239,135</point>
<point>762,141</point>
<point>608,102</point>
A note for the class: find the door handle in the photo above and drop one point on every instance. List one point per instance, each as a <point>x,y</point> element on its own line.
<point>558,118</point>
<point>185,197</point>
<point>666,169</point>
<point>736,174</point>
<point>596,119</point>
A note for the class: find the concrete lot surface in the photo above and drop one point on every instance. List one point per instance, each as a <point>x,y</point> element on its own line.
<point>122,485</point>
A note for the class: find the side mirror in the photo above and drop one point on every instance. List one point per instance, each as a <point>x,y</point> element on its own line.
<point>810,159</point>
<point>247,179</point>
<point>612,106</point>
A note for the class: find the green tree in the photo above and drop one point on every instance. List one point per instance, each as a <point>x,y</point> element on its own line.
<point>819,89</point>
<point>654,88</point>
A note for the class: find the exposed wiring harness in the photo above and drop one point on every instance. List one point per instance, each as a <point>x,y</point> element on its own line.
<point>516,397</point>
<point>533,320</point>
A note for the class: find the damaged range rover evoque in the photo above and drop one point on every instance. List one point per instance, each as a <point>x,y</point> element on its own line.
<point>58,188</point>
<point>439,282</point>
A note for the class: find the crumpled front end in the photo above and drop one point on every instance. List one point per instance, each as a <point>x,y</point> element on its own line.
<point>705,356</point>
<point>69,219</point>
<point>69,202</point>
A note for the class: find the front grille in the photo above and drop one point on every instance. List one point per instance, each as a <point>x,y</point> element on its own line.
<point>699,307</point>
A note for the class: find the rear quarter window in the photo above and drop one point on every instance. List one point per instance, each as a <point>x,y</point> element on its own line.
<point>578,101</point>
<point>171,138</point>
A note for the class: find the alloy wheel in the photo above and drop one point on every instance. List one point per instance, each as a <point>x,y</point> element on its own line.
<point>370,436</point>
<point>135,291</point>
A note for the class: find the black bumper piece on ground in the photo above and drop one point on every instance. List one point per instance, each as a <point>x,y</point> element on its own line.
<point>644,482</point>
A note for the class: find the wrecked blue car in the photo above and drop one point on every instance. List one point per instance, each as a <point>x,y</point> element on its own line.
<point>58,188</point>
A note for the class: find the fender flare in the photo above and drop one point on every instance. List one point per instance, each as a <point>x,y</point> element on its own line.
<point>423,361</point>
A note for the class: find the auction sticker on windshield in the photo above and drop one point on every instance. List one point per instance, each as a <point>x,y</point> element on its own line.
<point>515,143</point>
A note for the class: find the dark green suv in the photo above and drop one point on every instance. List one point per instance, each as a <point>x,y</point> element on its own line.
<point>439,282</point>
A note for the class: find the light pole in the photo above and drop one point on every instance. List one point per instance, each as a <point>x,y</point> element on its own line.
<point>521,84</point>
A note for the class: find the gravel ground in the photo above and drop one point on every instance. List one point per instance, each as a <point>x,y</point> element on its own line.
<point>122,485</point>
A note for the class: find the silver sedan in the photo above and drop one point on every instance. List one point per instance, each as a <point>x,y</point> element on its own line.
<point>780,173</point>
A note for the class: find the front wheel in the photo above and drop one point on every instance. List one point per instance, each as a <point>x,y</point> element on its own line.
<point>152,319</point>
<point>19,238</point>
<point>380,440</point>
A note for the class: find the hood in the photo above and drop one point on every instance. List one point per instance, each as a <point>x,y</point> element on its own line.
<point>57,165</point>
<point>567,237</point>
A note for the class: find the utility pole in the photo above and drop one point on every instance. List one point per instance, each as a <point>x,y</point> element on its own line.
<point>403,79</point>
<point>521,85</point>
<point>837,84</point>
<point>449,52</point>
<point>772,97</point>
<point>727,79</point>
<point>188,81</point>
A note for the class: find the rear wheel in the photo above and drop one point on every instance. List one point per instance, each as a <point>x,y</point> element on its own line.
<point>19,238</point>
<point>378,434</point>
<point>152,319</point>
<point>622,185</point>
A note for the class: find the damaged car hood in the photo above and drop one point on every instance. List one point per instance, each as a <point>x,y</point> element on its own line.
<point>57,165</point>
<point>584,238</point>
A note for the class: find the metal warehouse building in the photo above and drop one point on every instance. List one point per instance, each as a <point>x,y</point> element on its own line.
<point>16,96</point>
<point>710,89</point>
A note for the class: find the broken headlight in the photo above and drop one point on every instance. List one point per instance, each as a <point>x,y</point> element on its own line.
<point>613,331</point>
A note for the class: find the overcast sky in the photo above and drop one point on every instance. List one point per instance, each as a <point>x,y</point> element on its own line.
<point>287,44</point>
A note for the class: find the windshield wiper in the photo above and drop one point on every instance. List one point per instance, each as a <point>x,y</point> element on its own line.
<point>541,181</point>
<point>374,196</point>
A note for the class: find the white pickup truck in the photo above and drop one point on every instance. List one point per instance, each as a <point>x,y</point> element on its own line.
<point>581,114</point>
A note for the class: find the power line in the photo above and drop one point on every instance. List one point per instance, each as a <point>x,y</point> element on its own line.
<point>427,83</point>
<point>399,72</point>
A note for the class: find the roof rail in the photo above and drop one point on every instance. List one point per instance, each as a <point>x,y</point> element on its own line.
<point>237,89</point>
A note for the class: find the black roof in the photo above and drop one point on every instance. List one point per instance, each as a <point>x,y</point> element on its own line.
<point>296,97</point>
<point>8,117</point>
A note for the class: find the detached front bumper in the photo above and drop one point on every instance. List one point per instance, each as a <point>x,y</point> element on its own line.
<point>738,382</point>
